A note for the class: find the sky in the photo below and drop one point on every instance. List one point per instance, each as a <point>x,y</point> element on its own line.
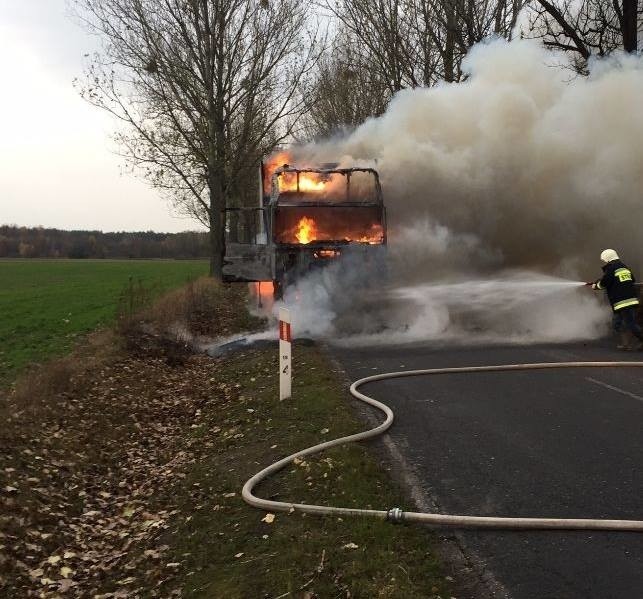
<point>58,166</point>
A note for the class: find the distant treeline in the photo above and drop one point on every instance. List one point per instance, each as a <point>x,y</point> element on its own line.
<point>24,242</point>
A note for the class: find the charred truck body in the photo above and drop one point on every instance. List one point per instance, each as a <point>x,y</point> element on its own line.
<point>307,218</point>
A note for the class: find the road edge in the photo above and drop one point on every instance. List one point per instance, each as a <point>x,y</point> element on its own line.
<point>472,579</point>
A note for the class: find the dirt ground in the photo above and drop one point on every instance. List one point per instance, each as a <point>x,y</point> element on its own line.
<point>85,480</point>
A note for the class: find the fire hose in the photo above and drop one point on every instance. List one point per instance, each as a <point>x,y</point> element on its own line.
<point>395,514</point>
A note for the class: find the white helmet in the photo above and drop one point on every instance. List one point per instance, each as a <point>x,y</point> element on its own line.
<point>609,255</point>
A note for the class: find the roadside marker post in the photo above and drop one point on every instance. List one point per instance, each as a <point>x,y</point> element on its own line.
<point>285,355</point>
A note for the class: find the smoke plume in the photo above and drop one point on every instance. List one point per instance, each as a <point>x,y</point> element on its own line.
<point>520,169</point>
<point>518,166</point>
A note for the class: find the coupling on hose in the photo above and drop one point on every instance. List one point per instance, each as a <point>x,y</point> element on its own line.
<point>395,515</point>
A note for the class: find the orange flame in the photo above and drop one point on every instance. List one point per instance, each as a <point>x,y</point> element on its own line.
<point>375,236</point>
<point>271,164</point>
<point>307,183</point>
<point>306,230</point>
<point>288,180</point>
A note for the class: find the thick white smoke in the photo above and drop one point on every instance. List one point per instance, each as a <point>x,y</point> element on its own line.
<point>519,167</point>
<point>542,171</point>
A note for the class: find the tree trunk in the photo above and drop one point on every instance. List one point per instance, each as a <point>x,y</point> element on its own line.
<point>217,233</point>
<point>629,25</point>
<point>449,48</point>
<point>499,16</point>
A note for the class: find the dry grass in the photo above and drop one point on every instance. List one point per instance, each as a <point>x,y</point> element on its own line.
<point>162,330</point>
<point>49,380</point>
<point>43,384</point>
<point>202,308</point>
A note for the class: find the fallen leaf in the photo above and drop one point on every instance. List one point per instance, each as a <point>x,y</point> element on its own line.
<point>69,554</point>
<point>65,584</point>
<point>228,495</point>
<point>351,546</point>
<point>66,572</point>
<point>36,573</point>
<point>238,555</point>
<point>268,518</point>
<point>53,559</point>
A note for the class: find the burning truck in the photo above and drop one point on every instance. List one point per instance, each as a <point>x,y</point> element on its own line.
<point>307,218</point>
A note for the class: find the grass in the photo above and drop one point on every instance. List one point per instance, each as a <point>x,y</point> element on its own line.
<point>121,469</point>
<point>224,547</point>
<point>45,305</point>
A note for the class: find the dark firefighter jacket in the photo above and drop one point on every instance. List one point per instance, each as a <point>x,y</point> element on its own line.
<point>618,281</point>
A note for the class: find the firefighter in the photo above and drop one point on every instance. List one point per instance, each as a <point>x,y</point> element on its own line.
<point>618,281</point>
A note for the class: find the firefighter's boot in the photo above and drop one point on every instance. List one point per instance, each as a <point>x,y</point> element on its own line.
<point>624,342</point>
<point>638,345</point>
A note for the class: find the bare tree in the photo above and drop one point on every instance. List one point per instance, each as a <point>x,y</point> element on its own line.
<point>454,26</point>
<point>382,28</point>
<point>203,88</point>
<point>420,42</point>
<point>345,92</point>
<point>586,27</point>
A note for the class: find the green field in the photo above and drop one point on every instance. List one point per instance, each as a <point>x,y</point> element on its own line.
<point>45,305</point>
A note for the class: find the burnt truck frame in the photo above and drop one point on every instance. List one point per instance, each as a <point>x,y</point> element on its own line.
<point>256,250</point>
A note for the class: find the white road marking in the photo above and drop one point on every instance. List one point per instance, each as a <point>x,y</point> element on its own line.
<point>612,388</point>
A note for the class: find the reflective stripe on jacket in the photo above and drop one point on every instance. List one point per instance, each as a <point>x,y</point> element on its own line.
<point>618,281</point>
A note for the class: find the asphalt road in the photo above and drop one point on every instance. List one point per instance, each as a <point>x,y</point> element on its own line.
<point>564,443</point>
